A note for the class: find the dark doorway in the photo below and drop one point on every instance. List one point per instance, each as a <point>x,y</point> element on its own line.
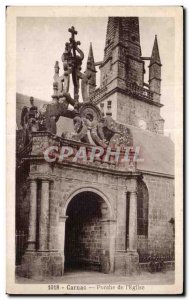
<point>83,232</point>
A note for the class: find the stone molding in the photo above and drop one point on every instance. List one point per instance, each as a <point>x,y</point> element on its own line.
<point>88,189</point>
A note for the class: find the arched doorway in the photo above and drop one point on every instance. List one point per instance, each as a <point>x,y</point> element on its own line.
<point>87,233</point>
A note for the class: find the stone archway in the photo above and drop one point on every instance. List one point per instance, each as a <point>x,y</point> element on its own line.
<point>89,239</point>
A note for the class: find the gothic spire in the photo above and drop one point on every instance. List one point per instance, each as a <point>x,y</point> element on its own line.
<point>123,31</point>
<point>90,60</point>
<point>91,71</point>
<point>155,57</point>
<point>155,72</point>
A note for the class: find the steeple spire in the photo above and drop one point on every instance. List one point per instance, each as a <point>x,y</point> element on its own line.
<point>90,60</point>
<point>91,71</point>
<point>124,31</point>
<point>122,52</point>
<point>155,72</point>
<point>155,57</point>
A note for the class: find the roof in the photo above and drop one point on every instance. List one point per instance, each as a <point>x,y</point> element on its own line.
<point>157,151</point>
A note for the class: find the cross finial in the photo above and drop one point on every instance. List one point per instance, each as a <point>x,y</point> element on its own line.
<point>73,32</point>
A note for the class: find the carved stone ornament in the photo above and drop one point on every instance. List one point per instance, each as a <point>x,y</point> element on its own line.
<point>90,109</point>
<point>90,125</point>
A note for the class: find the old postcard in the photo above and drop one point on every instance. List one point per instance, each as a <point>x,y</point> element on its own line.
<point>95,150</point>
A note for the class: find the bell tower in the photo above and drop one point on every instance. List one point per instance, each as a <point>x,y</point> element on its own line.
<point>122,53</point>
<point>123,91</point>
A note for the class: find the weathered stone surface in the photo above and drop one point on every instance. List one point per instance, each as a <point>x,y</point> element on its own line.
<point>42,264</point>
<point>131,263</point>
<point>120,264</point>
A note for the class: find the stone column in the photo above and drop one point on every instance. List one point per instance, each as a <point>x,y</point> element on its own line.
<point>112,235</point>
<point>32,215</point>
<point>61,245</point>
<point>44,216</point>
<point>133,222</point>
<point>121,232</point>
<point>132,258</point>
<point>121,221</point>
<point>61,233</point>
<point>108,232</point>
<point>107,245</point>
<point>105,251</point>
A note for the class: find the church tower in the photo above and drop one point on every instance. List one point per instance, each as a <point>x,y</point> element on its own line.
<point>123,90</point>
<point>122,53</point>
<point>90,69</point>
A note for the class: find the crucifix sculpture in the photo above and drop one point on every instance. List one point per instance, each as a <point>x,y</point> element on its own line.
<point>74,61</point>
<point>72,58</point>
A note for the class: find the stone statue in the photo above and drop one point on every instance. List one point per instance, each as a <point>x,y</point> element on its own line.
<point>72,63</point>
<point>52,115</point>
<point>29,120</point>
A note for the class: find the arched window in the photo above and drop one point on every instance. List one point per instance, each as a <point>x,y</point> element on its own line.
<point>142,209</point>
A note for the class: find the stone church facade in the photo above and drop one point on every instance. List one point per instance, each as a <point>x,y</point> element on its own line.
<point>101,215</point>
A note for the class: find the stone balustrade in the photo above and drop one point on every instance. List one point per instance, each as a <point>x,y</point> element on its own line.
<point>139,91</point>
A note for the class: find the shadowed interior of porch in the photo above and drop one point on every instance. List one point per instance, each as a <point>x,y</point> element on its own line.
<point>83,232</point>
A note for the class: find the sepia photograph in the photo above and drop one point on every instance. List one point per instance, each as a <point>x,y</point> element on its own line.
<point>94,116</point>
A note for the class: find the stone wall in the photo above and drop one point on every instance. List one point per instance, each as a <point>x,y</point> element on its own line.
<point>113,110</point>
<point>131,111</point>
<point>83,242</point>
<point>142,246</point>
<point>90,241</point>
<point>83,230</point>
<point>22,201</point>
<point>161,211</point>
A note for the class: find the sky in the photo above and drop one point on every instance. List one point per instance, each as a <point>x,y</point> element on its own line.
<point>41,41</point>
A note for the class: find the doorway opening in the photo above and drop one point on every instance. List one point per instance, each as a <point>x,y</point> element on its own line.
<point>84,247</point>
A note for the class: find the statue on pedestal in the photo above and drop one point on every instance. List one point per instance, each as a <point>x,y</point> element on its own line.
<point>29,120</point>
